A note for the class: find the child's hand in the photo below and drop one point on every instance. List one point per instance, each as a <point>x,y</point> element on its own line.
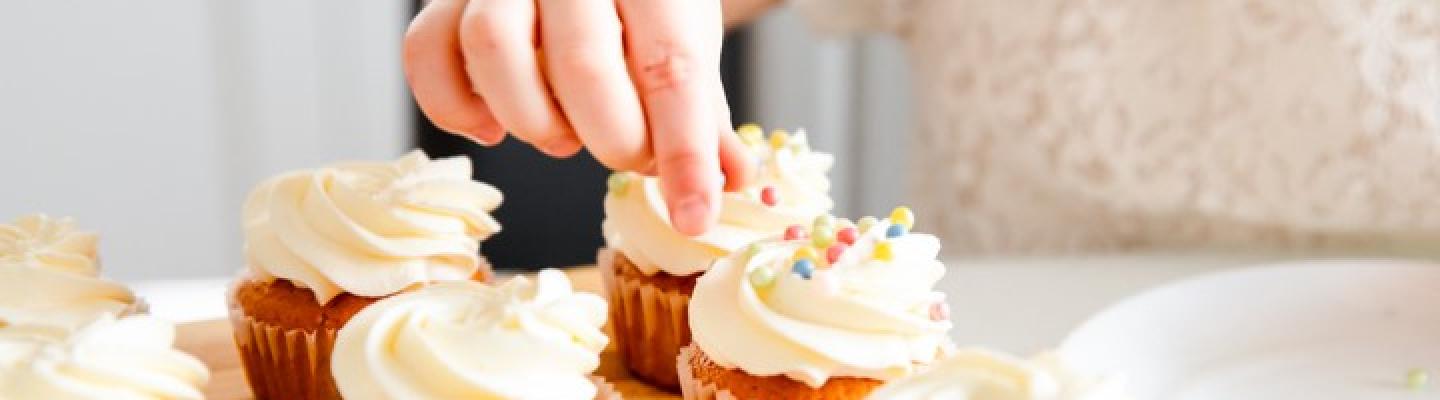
<point>621,77</point>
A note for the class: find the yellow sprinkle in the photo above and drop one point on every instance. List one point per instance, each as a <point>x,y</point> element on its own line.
<point>762,277</point>
<point>751,134</point>
<point>883,251</point>
<point>807,252</point>
<point>799,142</point>
<point>1417,379</point>
<point>825,221</point>
<point>822,236</point>
<point>903,216</point>
<point>618,182</point>
<point>778,139</point>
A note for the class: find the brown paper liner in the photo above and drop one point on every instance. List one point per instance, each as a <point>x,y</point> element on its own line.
<point>690,387</point>
<point>284,363</point>
<point>604,390</point>
<point>702,379</point>
<point>649,321</point>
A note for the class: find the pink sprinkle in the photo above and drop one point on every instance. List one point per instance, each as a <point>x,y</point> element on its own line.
<point>939,311</point>
<point>795,232</point>
<point>847,235</point>
<point>769,197</point>
<point>833,253</point>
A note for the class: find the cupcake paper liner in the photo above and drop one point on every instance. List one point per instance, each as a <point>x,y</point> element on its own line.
<point>282,363</point>
<point>650,324</point>
<point>604,390</point>
<point>692,388</point>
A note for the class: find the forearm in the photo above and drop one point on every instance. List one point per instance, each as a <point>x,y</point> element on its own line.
<point>741,12</point>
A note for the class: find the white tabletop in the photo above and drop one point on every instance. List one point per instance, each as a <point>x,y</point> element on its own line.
<point>1015,304</point>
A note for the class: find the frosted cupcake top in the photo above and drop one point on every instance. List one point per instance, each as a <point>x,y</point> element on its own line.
<point>980,374</point>
<point>109,358</point>
<point>50,276</point>
<point>790,188</point>
<point>370,228</point>
<point>465,340</point>
<point>833,300</point>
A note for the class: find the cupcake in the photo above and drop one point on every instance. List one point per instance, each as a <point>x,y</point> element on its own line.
<point>466,340</point>
<point>649,269</point>
<point>323,244</point>
<point>830,312</point>
<point>985,374</point>
<point>50,277</point>
<point>108,358</point>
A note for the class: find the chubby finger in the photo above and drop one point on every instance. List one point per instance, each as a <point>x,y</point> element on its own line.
<point>497,39</point>
<point>436,74</point>
<point>673,66</point>
<point>585,63</point>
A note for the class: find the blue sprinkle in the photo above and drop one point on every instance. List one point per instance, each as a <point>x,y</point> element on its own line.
<point>894,231</point>
<point>803,267</point>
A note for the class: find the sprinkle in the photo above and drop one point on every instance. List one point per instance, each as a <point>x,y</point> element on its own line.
<point>806,253</point>
<point>865,223</point>
<point>823,221</point>
<point>794,232</point>
<point>799,142</point>
<point>1417,379</point>
<point>833,253</point>
<point>799,147</point>
<point>847,235</point>
<point>618,182</point>
<point>751,134</point>
<point>903,216</point>
<point>939,311</point>
<point>762,277</point>
<point>883,251</point>
<point>894,231</point>
<point>822,236</point>
<point>803,267</point>
<point>778,139</point>
<point>769,197</point>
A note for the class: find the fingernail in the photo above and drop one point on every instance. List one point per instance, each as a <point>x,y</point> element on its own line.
<point>690,215</point>
<point>473,137</point>
<point>477,140</point>
<point>560,146</point>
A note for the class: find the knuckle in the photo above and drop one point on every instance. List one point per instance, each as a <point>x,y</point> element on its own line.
<point>415,45</point>
<point>584,64</point>
<point>668,68</point>
<point>684,158</point>
<point>487,30</point>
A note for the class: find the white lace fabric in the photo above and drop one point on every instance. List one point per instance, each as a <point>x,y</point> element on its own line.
<point>1058,126</point>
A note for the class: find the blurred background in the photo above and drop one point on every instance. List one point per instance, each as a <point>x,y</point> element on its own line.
<point>150,120</point>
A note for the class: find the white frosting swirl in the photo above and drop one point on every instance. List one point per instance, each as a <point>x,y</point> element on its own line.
<point>49,276</point>
<point>980,374</point>
<point>370,228</point>
<point>861,316</point>
<point>466,340</point>
<point>110,359</point>
<point>637,222</point>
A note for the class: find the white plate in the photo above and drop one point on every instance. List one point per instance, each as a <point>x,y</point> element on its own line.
<point>1313,331</point>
